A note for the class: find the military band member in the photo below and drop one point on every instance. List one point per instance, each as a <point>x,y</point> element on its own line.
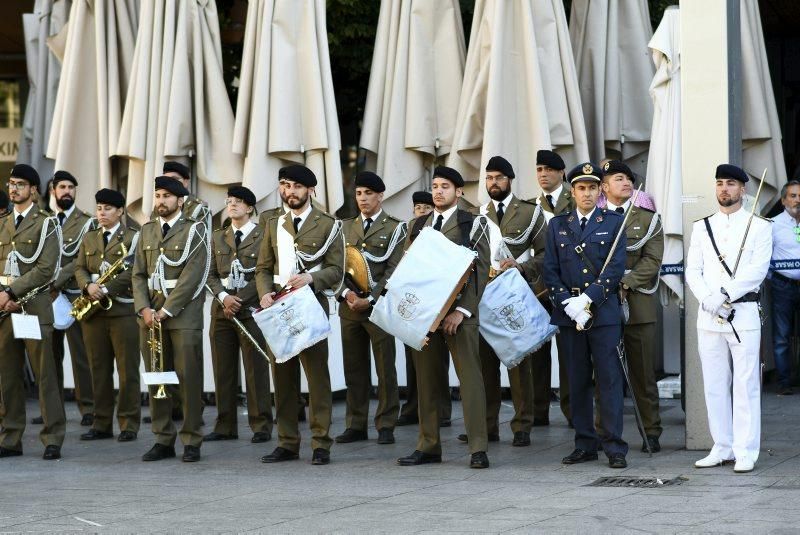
<point>728,321</point>
<point>307,231</point>
<point>423,205</point>
<point>193,206</point>
<point>523,228</point>
<point>556,197</point>
<point>645,250</point>
<point>458,331</point>
<point>232,279</point>
<point>379,237</point>
<point>169,274</point>
<point>29,254</point>
<point>111,336</point>
<point>586,308</point>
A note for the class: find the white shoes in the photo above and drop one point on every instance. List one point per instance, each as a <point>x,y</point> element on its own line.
<point>710,461</point>
<point>743,466</point>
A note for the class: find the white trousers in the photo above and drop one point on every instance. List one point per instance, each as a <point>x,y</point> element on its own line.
<point>732,383</point>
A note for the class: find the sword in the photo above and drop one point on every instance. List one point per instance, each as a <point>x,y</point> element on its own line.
<point>624,363</point>
<point>242,329</point>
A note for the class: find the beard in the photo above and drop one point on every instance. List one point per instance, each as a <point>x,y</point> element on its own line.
<point>498,194</point>
<point>296,202</point>
<point>730,201</point>
<point>65,203</point>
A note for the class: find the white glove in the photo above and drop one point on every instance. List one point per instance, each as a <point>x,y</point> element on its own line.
<point>713,302</point>
<point>724,312</point>
<point>574,305</point>
<point>582,317</point>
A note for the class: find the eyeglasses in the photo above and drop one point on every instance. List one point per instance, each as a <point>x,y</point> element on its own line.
<point>232,201</point>
<point>17,185</point>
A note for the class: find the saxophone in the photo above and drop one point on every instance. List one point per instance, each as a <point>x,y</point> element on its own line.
<point>84,306</point>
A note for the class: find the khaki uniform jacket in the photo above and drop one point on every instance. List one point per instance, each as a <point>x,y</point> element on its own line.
<point>564,204</point>
<point>224,246</point>
<point>70,234</point>
<point>375,242</point>
<point>186,310</point>
<point>25,239</point>
<point>93,252</point>
<point>471,294</point>
<point>309,240</point>
<point>643,265</point>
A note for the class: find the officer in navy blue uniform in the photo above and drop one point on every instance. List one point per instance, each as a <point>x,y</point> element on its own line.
<point>586,308</point>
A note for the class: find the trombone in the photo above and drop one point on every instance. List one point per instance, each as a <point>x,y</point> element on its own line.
<point>155,340</point>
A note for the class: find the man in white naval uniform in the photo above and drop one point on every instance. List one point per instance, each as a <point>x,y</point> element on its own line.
<point>728,322</point>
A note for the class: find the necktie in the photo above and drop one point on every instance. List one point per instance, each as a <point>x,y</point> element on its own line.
<point>106,235</point>
<point>164,229</point>
<point>619,209</point>
<point>61,217</point>
<point>439,221</point>
<point>549,201</point>
<point>500,213</point>
<point>367,224</point>
<point>237,238</point>
<point>19,220</point>
<point>296,222</point>
<point>583,223</point>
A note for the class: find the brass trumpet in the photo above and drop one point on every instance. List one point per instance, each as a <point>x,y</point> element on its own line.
<point>84,306</point>
<point>155,340</point>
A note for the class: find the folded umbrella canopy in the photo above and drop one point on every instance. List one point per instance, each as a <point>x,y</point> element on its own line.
<point>286,111</point>
<point>520,93</point>
<point>412,101</point>
<point>177,106</point>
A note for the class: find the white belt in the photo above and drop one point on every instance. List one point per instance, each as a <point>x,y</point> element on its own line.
<point>72,292</point>
<point>277,280</point>
<point>123,299</point>
<point>6,280</point>
<point>169,284</point>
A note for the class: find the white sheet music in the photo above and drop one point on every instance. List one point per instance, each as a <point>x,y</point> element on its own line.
<point>26,326</point>
<point>160,378</point>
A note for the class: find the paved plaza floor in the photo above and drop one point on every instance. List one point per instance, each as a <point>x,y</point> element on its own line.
<point>105,487</point>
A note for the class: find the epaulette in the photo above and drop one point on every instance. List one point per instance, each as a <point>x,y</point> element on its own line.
<point>768,220</point>
<point>612,213</point>
<point>705,216</point>
<point>643,209</point>
<point>563,214</point>
<point>529,201</point>
<point>46,213</point>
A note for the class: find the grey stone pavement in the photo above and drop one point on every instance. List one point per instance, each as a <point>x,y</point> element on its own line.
<point>104,487</point>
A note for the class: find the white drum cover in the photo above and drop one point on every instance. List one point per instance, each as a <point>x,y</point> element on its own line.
<point>61,309</point>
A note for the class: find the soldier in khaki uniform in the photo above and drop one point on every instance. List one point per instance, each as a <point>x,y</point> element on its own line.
<point>458,331</point>
<point>423,205</point>
<point>379,237</point>
<point>555,199</point>
<point>110,335</point>
<point>29,253</point>
<point>74,226</point>
<point>645,250</point>
<point>169,275</point>
<point>523,228</point>
<point>232,280</point>
<point>309,230</point>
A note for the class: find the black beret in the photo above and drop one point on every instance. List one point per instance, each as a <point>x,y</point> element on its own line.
<point>368,179</point>
<point>500,164</point>
<point>585,172</point>
<point>612,167</point>
<point>177,167</point>
<point>300,174</point>
<point>550,159</point>
<point>172,185</point>
<point>241,192</point>
<point>422,197</point>
<point>450,174</point>
<point>26,172</point>
<point>727,170</point>
<point>110,196</point>
<point>3,200</point>
<point>60,176</point>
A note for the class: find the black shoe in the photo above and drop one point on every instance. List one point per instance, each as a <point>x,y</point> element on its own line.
<point>617,460</point>
<point>87,420</point>
<point>37,420</point>
<point>94,434</point>
<point>351,435</point>
<point>445,422</point>
<point>493,437</point>
<point>158,452</point>
<point>51,453</point>
<point>5,452</point>
<point>126,436</point>
<point>541,422</point>
<point>385,436</point>
<point>405,419</point>
<point>521,438</point>
<point>147,420</point>
<point>655,447</point>
<point>418,458</point>
<point>321,456</point>
<point>579,456</point>
<point>479,459</point>
<point>214,436</point>
<point>279,455</point>
<point>191,454</point>
<point>261,436</point>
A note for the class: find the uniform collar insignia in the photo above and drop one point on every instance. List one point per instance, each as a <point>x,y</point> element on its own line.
<point>599,219</point>
<point>571,219</point>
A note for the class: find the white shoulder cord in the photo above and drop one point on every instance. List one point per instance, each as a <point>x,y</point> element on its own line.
<point>158,273</point>
<point>301,258</point>
<point>523,238</point>
<point>105,265</point>
<point>236,277</point>
<point>70,250</point>
<point>479,221</point>
<point>638,245</point>
<point>14,257</point>
<point>398,235</point>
